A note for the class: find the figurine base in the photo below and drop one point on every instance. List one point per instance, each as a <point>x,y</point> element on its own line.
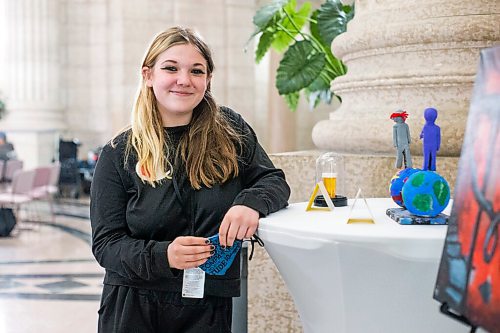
<point>402,216</point>
<point>338,201</point>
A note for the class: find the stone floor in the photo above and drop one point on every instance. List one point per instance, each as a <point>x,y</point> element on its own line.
<point>49,280</point>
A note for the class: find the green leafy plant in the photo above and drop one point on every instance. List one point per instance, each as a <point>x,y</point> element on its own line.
<point>2,107</point>
<point>305,36</point>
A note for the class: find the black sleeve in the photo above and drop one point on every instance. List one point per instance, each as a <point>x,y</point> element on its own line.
<point>112,245</point>
<point>266,189</point>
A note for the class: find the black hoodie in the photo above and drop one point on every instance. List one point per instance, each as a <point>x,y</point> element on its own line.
<point>133,223</point>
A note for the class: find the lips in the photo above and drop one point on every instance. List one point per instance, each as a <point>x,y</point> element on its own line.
<point>181,93</point>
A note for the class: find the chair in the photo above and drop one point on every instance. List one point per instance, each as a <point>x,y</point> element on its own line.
<point>22,184</point>
<point>2,169</point>
<point>11,166</point>
<point>38,191</point>
<point>45,184</point>
<point>53,186</point>
<point>41,182</point>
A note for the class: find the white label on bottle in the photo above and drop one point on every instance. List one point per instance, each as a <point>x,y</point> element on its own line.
<point>329,175</point>
<point>193,283</point>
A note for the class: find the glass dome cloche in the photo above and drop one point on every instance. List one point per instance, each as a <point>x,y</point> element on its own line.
<point>330,170</point>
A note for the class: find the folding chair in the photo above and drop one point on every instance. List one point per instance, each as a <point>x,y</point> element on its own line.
<point>2,169</point>
<point>45,185</point>
<point>19,193</point>
<point>11,166</point>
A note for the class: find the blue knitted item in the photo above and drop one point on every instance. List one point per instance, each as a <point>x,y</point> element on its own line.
<point>222,259</point>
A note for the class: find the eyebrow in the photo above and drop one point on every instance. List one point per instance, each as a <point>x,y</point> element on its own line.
<point>175,62</point>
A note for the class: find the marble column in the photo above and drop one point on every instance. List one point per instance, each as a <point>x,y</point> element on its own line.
<point>31,79</point>
<point>407,55</point>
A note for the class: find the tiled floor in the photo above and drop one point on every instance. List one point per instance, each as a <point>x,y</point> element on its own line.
<point>49,280</point>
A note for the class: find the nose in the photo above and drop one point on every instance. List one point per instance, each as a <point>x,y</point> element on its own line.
<point>183,78</point>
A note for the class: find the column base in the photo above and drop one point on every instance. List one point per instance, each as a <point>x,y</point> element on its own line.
<point>372,173</point>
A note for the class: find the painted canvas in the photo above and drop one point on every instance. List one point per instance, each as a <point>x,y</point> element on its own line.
<point>469,274</point>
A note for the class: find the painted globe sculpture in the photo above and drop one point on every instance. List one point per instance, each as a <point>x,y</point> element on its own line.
<point>397,182</point>
<point>426,193</point>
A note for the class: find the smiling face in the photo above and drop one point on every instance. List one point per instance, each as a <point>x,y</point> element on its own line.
<point>179,79</point>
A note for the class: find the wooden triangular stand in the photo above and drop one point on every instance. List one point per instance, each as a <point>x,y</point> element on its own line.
<point>360,218</point>
<point>320,187</point>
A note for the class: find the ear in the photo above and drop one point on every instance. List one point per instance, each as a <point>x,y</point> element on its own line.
<point>146,76</point>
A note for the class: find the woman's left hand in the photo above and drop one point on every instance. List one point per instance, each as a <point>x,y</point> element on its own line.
<point>238,223</point>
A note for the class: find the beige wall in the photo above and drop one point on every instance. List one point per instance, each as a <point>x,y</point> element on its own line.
<point>105,43</point>
<point>100,48</point>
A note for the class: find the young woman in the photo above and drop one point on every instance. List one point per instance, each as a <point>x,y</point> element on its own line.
<point>185,170</point>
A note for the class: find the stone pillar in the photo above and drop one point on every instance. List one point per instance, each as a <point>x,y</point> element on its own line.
<point>31,78</point>
<point>407,55</point>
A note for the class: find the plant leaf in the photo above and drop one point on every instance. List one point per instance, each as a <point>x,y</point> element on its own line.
<point>334,64</point>
<point>326,96</point>
<point>313,25</point>
<point>266,13</point>
<point>284,39</point>
<point>319,84</point>
<point>292,100</point>
<point>300,66</point>
<point>349,10</point>
<point>316,89</point>
<point>332,20</point>
<point>315,97</point>
<point>265,42</point>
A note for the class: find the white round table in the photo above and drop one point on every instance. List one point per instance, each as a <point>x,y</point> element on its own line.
<point>358,277</point>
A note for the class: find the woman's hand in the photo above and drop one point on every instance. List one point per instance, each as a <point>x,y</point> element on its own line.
<point>238,223</point>
<point>188,252</point>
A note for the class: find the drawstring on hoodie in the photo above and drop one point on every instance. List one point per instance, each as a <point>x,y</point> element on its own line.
<point>253,240</point>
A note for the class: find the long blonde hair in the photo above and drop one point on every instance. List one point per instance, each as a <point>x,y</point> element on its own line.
<point>214,160</point>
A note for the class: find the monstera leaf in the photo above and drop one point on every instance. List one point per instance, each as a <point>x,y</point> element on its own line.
<point>319,91</point>
<point>279,23</point>
<point>299,67</point>
<point>265,14</point>
<point>308,63</point>
<point>292,22</point>
<point>332,20</point>
<point>265,41</point>
<point>292,100</point>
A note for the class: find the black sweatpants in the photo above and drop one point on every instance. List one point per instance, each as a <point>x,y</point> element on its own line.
<point>130,310</point>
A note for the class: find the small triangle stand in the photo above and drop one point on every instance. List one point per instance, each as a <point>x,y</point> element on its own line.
<point>321,188</point>
<point>364,218</point>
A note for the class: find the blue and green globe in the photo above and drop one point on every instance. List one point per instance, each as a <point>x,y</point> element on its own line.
<point>426,193</point>
<point>397,182</point>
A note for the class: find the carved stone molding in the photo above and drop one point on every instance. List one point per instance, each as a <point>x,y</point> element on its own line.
<point>407,55</point>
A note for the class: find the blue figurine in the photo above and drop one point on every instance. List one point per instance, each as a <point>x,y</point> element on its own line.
<point>401,139</point>
<point>431,135</point>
